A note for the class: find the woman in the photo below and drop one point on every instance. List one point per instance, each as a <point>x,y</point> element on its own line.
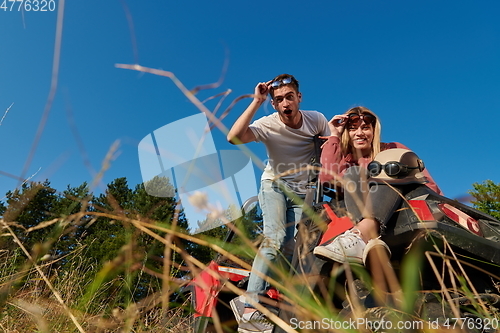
<point>353,144</point>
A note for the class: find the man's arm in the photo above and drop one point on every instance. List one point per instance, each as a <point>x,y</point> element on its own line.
<point>240,132</point>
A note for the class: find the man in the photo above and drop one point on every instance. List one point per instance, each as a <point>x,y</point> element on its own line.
<point>288,135</point>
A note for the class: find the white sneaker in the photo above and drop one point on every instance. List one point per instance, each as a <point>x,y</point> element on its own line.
<point>346,247</point>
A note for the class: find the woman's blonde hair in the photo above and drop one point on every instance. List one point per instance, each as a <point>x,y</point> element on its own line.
<point>345,141</point>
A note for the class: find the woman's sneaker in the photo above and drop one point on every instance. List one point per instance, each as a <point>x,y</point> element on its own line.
<point>346,247</point>
<point>255,322</point>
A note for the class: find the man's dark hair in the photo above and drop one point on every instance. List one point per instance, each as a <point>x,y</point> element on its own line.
<point>294,83</point>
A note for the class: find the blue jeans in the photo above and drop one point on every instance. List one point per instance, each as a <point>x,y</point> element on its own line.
<point>280,213</point>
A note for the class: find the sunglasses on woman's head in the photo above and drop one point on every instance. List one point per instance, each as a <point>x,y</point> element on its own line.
<point>277,83</point>
<point>392,169</point>
<point>356,119</point>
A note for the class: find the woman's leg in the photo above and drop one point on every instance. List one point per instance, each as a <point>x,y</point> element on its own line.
<point>370,205</point>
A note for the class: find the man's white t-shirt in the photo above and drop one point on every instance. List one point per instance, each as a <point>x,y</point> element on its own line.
<point>288,148</point>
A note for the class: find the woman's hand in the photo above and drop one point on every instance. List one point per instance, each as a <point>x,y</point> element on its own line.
<point>337,125</point>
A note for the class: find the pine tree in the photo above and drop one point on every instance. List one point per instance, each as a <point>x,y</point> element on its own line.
<point>487,198</point>
<point>2,208</point>
<point>27,209</point>
<point>124,252</point>
<point>72,225</point>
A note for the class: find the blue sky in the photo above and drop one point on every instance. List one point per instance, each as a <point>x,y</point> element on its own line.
<point>429,69</point>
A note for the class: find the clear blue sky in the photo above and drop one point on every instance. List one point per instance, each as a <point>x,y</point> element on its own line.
<point>429,69</point>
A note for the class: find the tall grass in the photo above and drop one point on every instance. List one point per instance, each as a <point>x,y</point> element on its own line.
<point>37,297</point>
<point>40,298</point>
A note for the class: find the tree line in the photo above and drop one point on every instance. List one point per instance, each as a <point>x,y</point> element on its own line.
<point>75,224</point>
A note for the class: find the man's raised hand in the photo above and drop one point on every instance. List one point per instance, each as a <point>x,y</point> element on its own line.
<point>261,91</point>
